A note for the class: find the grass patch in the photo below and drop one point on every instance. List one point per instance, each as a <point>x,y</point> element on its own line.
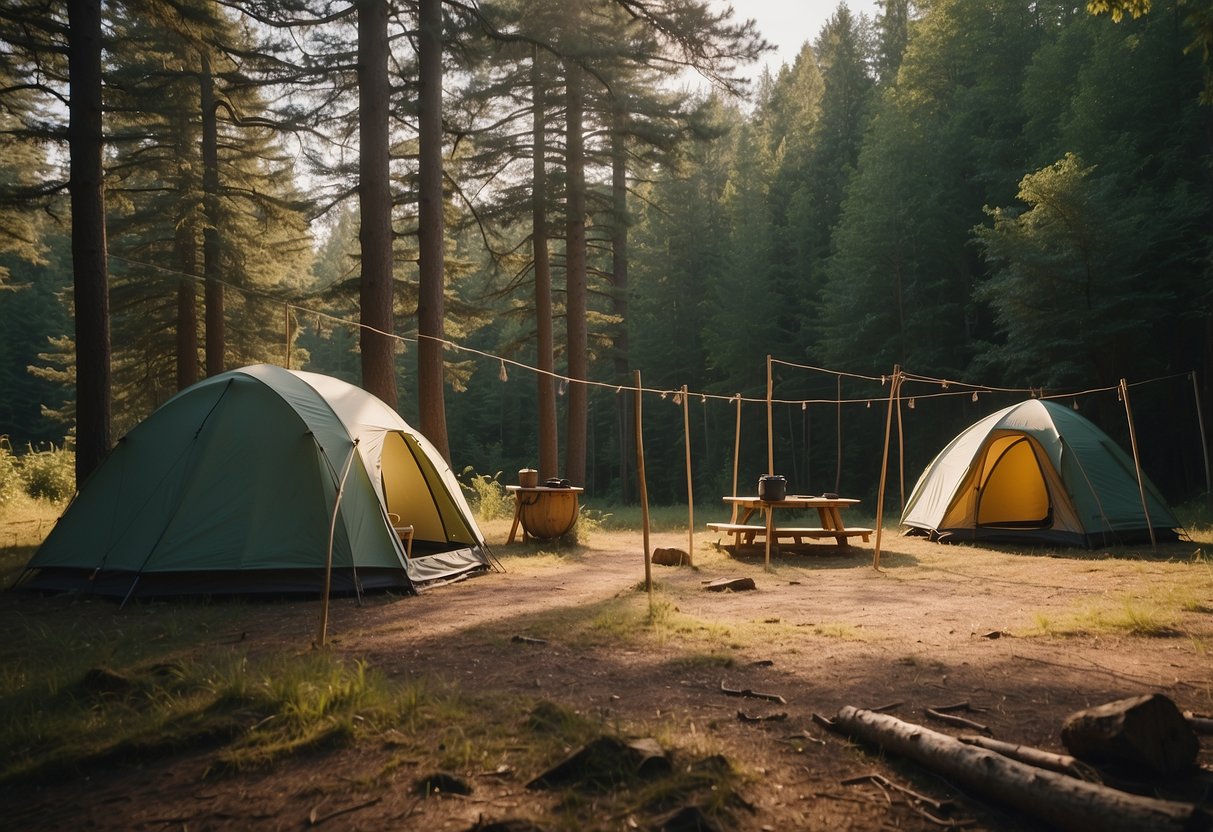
<point>839,630</point>
<point>1156,615</point>
<point>258,710</point>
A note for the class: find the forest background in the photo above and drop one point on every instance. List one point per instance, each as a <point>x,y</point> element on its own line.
<point>1002,198</point>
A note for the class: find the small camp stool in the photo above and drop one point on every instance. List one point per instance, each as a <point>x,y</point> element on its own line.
<point>405,533</point>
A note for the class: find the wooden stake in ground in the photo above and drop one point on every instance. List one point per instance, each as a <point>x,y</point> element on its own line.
<point>1060,800</point>
<point>894,386</point>
<point>686,432</point>
<point>770,421</point>
<point>644,492</point>
<point>1204,441</point>
<point>1141,484</point>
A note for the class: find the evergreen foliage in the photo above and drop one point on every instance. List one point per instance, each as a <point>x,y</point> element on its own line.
<point>1012,193</point>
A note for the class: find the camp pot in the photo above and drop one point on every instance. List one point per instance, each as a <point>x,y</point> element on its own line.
<point>772,488</point>
<point>528,477</point>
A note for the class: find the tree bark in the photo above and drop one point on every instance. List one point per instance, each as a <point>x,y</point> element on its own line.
<point>1140,732</point>
<point>576,338</point>
<point>90,273</point>
<point>549,432</point>
<point>185,254</point>
<point>431,265</point>
<point>375,203</point>
<point>216,338</point>
<point>1057,799</point>
<point>619,298</point>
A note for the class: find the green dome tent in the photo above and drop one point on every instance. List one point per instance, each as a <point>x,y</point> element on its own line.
<point>242,482</point>
<point>1036,472</point>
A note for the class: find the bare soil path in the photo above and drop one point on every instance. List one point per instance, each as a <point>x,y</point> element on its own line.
<point>1026,639</point>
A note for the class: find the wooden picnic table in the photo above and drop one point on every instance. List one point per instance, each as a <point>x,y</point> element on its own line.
<point>828,511</point>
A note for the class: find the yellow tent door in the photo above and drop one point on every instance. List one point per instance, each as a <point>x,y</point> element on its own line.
<point>1012,487</point>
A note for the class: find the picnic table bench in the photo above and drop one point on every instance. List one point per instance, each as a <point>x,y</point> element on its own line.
<point>828,509</point>
<point>745,534</point>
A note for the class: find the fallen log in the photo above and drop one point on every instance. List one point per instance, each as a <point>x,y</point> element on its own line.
<point>1063,763</point>
<point>1057,799</point>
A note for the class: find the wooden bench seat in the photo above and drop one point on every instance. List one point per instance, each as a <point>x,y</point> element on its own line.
<point>739,531</point>
<point>746,533</point>
<point>798,534</point>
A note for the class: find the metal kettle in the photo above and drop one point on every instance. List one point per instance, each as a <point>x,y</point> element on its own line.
<point>772,488</point>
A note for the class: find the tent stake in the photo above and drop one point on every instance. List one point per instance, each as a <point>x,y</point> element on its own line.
<point>644,494</point>
<point>1141,487</point>
<point>894,387</point>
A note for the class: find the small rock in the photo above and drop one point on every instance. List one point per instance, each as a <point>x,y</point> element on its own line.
<point>733,584</point>
<point>441,783</point>
<point>670,557</point>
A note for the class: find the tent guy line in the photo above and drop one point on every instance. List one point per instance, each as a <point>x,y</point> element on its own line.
<point>971,389</point>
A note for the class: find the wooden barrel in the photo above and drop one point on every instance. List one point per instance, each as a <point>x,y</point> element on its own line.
<point>548,513</point>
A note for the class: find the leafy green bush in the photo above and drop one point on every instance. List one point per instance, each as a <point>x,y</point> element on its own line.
<point>11,483</point>
<point>50,474</point>
<point>488,498</point>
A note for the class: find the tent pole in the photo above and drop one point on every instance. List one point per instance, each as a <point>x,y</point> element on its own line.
<point>286,326</point>
<point>770,428</point>
<point>644,493</point>
<point>1204,443</point>
<point>328,562</point>
<point>1141,486</point>
<point>894,387</point>
<point>686,430</point>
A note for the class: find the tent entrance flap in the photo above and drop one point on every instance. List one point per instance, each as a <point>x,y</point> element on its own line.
<point>1012,492</point>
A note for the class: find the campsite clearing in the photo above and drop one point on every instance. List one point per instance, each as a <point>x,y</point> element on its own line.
<point>500,666</point>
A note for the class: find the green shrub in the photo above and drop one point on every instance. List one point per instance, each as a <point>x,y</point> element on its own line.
<point>50,474</point>
<point>488,498</point>
<point>11,483</point>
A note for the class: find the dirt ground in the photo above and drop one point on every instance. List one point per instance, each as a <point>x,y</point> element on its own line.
<point>1025,639</point>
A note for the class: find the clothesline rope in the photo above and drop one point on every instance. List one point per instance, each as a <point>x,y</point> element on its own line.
<point>968,388</point>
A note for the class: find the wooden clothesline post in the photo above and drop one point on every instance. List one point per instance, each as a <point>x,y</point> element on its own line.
<point>894,389</point>
<point>770,421</point>
<point>1141,483</point>
<point>686,431</point>
<point>736,456</point>
<point>1204,442</point>
<point>644,493</point>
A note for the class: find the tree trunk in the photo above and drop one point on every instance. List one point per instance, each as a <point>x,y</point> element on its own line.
<point>215,336</point>
<point>430,266</point>
<point>549,432</point>
<point>1142,732</point>
<point>90,274</point>
<point>1057,799</point>
<point>577,340</point>
<point>619,271</point>
<point>185,255</point>
<point>375,203</point>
